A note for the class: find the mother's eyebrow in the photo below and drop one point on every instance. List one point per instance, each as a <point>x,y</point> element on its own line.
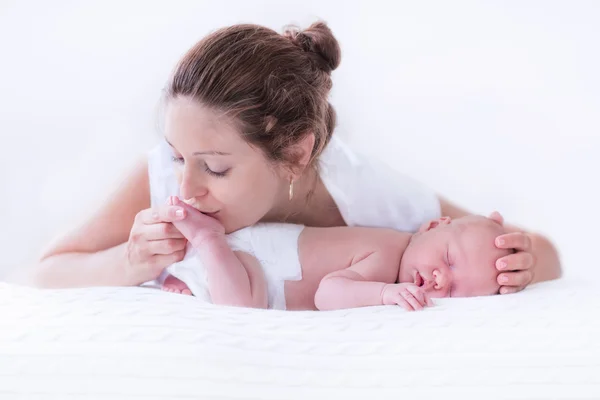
<point>201,153</point>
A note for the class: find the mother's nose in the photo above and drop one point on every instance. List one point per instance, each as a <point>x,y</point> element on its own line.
<point>191,185</point>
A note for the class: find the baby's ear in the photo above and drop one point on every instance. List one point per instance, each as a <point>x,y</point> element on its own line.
<point>496,217</point>
<point>434,223</point>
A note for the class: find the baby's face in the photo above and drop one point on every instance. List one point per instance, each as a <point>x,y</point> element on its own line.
<point>454,258</point>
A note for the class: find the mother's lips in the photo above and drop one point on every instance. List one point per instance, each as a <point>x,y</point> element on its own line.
<point>192,202</point>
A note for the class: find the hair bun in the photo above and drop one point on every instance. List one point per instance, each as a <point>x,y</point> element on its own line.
<point>318,40</point>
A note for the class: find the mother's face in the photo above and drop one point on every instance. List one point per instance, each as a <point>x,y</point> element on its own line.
<point>225,176</point>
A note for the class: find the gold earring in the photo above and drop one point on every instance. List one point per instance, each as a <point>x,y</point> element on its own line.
<point>291,193</point>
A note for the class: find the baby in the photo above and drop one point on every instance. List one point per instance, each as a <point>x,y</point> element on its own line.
<point>286,266</point>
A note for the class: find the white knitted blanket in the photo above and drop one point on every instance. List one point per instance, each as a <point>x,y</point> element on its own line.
<point>141,343</point>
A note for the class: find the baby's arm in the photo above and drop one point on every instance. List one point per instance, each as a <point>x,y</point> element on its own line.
<point>371,278</point>
<point>360,285</point>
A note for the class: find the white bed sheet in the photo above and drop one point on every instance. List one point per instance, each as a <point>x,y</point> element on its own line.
<point>131,343</point>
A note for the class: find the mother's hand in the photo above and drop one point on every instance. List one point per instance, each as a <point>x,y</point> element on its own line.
<point>517,268</point>
<point>154,243</point>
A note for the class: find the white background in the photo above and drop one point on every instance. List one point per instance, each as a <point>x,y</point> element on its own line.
<point>492,104</point>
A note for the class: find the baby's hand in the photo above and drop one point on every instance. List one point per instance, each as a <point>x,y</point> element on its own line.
<point>196,227</point>
<point>407,295</point>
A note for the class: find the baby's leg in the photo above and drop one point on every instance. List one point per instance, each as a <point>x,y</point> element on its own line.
<point>174,285</point>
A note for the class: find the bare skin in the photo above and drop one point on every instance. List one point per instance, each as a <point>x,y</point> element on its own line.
<point>125,243</point>
<point>347,267</point>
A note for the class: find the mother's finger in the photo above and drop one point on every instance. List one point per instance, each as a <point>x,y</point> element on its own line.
<point>515,262</point>
<point>164,260</point>
<point>161,214</point>
<point>166,246</point>
<point>510,289</point>
<point>162,230</point>
<point>520,278</point>
<point>514,240</point>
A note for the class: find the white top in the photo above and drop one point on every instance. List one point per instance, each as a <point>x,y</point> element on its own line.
<point>366,191</point>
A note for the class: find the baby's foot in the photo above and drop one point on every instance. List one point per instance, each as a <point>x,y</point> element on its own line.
<point>174,285</point>
<point>196,226</point>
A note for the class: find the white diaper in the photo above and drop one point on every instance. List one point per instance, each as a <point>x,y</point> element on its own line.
<point>274,245</point>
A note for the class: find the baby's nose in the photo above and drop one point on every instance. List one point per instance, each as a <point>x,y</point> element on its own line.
<point>441,280</point>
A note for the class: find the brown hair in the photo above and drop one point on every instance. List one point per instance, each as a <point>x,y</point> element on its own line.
<point>276,86</point>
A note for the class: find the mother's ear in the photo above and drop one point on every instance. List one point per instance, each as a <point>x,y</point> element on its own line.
<point>299,155</point>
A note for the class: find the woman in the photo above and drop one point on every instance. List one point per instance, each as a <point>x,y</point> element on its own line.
<point>249,138</point>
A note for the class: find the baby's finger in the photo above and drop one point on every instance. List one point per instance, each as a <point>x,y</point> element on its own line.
<point>514,240</point>
<point>419,294</point>
<point>428,300</point>
<point>403,303</point>
<point>410,298</point>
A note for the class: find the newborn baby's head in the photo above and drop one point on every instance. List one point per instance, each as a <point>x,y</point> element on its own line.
<point>454,258</point>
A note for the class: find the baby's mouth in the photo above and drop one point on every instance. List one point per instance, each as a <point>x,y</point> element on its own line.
<point>419,281</point>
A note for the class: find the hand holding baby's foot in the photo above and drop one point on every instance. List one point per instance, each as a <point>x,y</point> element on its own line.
<point>196,227</point>
<point>174,285</point>
<point>408,295</point>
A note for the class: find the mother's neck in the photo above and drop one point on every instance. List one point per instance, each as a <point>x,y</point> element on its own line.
<point>311,205</point>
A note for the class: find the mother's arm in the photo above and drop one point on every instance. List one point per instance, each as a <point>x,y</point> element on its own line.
<point>94,253</point>
<point>536,259</point>
<point>105,250</point>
